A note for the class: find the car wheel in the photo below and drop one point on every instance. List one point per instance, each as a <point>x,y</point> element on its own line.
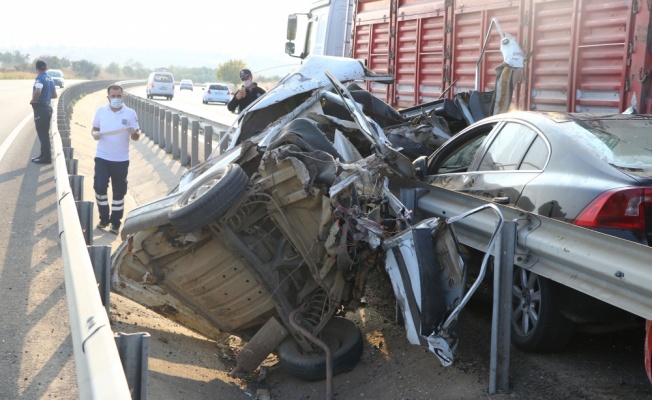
<point>204,101</point>
<point>343,338</point>
<point>537,322</point>
<point>208,198</point>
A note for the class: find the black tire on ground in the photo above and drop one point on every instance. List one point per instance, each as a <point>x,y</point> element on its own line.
<point>208,198</point>
<point>343,338</point>
<point>537,322</point>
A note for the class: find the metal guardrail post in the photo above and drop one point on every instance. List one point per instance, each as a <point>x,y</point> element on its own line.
<point>184,142</point>
<point>175,136</point>
<point>161,128</point>
<point>208,141</point>
<point>149,121</point>
<point>71,166</point>
<point>502,309</point>
<point>77,186</point>
<point>134,352</point>
<point>101,260</point>
<point>155,124</point>
<point>68,152</point>
<point>85,213</point>
<point>141,111</point>
<point>168,132</point>
<point>224,144</point>
<point>194,144</point>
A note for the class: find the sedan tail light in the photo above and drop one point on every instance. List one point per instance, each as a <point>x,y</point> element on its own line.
<point>209,91</point>
<point>622,208</point>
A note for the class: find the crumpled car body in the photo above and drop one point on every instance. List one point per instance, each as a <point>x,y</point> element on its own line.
<point>272,238</point>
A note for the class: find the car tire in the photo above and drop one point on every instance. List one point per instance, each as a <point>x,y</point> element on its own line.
<point>537,323</point>
<point>204,101</point>
<point>343,338</point>
<point>208,198</point>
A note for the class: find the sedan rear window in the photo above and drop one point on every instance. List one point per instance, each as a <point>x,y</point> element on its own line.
<point>219,87</point>
<point>622,142</point>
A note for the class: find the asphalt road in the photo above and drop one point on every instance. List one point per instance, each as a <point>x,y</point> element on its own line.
<point>36,358</point>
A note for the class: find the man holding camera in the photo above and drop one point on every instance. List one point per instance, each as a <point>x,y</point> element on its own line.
<point>247,93</point>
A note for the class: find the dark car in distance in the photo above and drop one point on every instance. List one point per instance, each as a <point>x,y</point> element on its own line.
<point>57,77</point>
<point>590,170</point>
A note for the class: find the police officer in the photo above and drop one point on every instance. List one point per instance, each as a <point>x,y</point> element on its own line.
<point>43,92</point>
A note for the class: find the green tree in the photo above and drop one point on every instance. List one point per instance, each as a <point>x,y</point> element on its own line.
<point>14,58</point>
<point>113,69</point>
<point>230,71</point>
<point>86,69</point>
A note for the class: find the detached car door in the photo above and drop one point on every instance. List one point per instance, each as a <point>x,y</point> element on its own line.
<point>493,161</point>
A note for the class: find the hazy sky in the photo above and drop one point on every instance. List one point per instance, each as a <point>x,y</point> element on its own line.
<point>233,27</point>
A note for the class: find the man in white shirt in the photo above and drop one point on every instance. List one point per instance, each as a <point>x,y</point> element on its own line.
<point>114,126</point>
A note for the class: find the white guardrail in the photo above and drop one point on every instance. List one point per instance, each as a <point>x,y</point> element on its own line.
<point>100,374</point>
<point>614,270</point>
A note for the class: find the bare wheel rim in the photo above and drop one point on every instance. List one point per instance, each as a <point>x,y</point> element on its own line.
<point>201,190</point>
<point>526,301</point>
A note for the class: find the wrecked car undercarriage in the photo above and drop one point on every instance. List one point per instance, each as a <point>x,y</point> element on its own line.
<point>272,240</point>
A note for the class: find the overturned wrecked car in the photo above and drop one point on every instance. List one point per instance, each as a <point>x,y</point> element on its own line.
<point>272,239</point>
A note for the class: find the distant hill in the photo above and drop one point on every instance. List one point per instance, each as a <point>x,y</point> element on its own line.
<point>276,64</point>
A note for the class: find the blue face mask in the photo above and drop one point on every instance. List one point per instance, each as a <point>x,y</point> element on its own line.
<point>115,103</point>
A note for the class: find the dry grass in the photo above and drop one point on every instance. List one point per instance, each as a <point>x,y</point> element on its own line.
<point>16,75</point>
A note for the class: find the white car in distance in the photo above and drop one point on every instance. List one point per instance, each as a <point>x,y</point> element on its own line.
<point>216,92</point>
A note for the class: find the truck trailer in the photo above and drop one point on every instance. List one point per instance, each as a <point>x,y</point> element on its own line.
<point>580,55</point>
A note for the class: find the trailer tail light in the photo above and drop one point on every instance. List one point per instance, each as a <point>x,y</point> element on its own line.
<point>648,349</point>
<point>622,208</point>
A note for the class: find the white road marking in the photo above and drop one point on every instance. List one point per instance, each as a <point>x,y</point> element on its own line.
<point>12,136</point>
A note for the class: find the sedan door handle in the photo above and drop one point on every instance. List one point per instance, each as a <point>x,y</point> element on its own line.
<point>501,200</point>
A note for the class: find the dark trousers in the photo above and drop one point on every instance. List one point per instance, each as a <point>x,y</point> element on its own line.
<point>42,118</point>
<point>116,172</point>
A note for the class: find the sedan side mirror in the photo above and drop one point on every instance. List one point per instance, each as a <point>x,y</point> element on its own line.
<point>420,167</point>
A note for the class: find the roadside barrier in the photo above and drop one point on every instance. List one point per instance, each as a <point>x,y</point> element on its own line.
<point>108,366</point>
<point>178,132</point>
